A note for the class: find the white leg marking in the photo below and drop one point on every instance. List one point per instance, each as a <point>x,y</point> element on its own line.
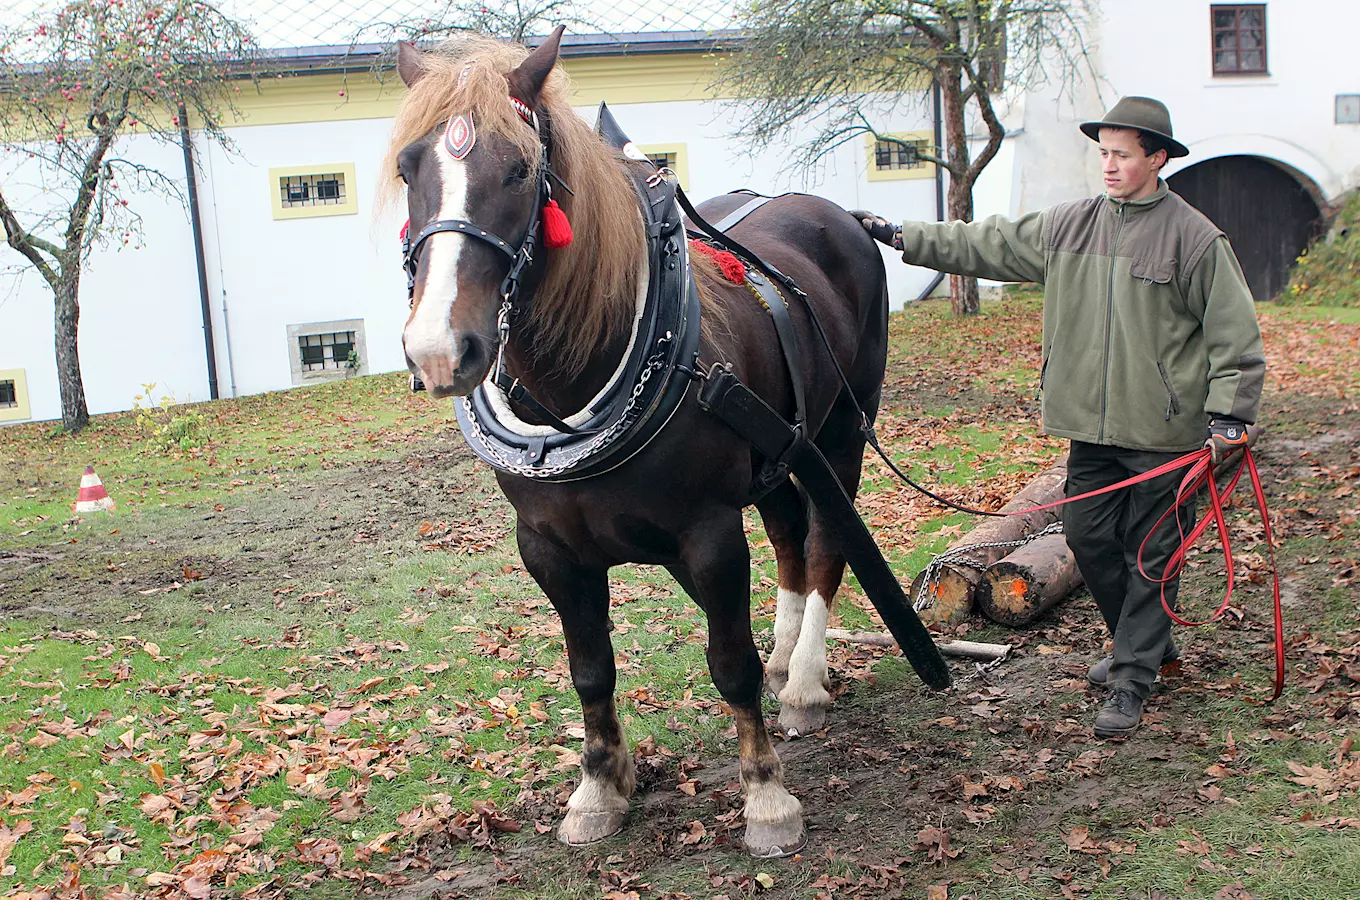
<point>428,336</point>
<point>769,801</point>
<point>807,666</point>
<point>595,794</point>
<point>788,621</point>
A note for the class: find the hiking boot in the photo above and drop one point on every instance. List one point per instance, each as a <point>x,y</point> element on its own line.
<point>1099,673</point>
<point>1120,715</point>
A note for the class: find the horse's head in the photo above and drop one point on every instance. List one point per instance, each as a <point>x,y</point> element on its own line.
<point>475,181</point>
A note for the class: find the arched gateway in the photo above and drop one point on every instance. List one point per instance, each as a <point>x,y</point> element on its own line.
<point>1266,209</point>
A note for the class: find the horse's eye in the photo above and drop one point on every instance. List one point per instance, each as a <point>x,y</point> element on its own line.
<point>518,172</point>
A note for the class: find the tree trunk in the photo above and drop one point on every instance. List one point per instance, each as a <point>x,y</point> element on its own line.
<point>952,592</point>
<point>75,414</point>
<point>1023,586</point>
<point>963,291</point>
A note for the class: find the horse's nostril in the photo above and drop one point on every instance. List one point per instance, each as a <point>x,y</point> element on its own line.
<point>472,353</point>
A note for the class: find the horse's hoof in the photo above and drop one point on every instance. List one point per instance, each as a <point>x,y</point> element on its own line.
<point>775,682</point>
<point>580,828</point>
<point>768,840</point>
<point>800,721</point>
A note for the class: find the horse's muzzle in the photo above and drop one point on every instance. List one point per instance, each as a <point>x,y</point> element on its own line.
<point>457,373</point>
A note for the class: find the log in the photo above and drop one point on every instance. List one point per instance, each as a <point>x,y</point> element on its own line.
<point>1021,587</point>
<point>961,649</point>
<point>951,593</point>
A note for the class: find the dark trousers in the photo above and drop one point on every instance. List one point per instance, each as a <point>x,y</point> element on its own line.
<point>1105,533</point>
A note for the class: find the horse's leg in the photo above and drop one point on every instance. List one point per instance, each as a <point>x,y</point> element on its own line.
<point>717,574</point>
<point>581,597</point>
<point>804,700</point>
<point>785,518</point>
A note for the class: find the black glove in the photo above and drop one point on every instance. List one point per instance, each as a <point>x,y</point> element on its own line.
<point>1227,435</point>
<point>879,228</point>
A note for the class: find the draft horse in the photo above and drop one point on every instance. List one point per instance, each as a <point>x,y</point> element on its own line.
<point>484,133</point>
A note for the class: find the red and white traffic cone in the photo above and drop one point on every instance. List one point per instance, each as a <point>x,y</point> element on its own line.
<point>92,497</point>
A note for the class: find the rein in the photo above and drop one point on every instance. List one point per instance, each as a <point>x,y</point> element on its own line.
<point>1201,472</point>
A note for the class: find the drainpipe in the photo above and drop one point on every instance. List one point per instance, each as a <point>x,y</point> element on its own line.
<point>936,101</point>
<point>196,221</point>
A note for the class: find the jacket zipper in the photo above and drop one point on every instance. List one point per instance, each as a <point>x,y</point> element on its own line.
<point>1109,326</point>
<point>1043,370</point>
<point>1173,405</point>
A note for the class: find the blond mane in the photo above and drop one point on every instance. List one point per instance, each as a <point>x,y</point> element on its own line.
<point>589,289</point>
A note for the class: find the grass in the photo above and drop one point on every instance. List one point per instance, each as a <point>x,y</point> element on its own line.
<point>252,441</point>
<point>219,687</point>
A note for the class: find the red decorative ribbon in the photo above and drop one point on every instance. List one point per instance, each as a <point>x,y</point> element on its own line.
<point>728,264</point>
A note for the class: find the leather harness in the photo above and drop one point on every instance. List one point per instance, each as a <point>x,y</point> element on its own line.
<point>655,376</point>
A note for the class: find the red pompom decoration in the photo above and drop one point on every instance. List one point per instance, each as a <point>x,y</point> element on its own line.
<point>732,268</point>
<point>556,227</point>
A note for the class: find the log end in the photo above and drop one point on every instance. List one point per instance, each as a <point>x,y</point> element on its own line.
<point>951,599</point>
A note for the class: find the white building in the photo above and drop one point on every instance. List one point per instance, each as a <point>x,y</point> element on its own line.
<point>1271,118</point>
<point>295,284</point>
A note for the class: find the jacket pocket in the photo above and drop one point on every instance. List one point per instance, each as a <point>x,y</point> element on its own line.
<point>1043,370</point>
<point>1153,271</point>
<point>1173,403</point>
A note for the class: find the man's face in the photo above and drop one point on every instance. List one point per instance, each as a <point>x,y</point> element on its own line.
<point>1130,174</point>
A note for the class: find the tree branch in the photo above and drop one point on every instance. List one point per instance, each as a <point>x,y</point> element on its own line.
<point>29,245</point>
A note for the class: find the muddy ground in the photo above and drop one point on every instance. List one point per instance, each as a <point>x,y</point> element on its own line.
<point>1003,764</point>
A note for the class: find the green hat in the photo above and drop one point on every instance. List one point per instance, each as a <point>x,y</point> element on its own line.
<point>1143,114</point>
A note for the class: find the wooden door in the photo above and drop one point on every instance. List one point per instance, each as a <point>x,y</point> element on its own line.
<point>1268,216</point>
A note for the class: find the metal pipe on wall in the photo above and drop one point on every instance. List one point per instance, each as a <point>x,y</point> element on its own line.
<point>195,220</point>
<point>939,181</point>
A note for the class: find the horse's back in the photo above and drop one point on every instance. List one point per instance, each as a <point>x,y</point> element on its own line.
<point>827,252</point>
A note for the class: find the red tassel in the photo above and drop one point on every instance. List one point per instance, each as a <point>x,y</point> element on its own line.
<point>556,227</point>
<point>728,264</point>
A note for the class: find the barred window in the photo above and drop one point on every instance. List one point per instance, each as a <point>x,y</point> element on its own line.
<point>9,395</point>
<point>663,160</point>
<point>325,351</point>
<point>1239,39</point>
<point>312,190</point>
<point>893,155</point>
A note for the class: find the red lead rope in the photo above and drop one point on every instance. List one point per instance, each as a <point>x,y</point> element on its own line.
<point>1201,475</point>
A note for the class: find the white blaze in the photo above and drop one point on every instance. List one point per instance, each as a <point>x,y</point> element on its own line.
<point>428,335</point>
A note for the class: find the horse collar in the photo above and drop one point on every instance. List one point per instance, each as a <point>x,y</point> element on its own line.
<point>637,401</point>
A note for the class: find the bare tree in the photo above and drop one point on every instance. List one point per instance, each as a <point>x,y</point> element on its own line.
<point>74,84</point>
<point>514,20</point>
<point>842,65</point>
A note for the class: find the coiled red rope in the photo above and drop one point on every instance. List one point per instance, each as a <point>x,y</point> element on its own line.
<point>1200,475</point>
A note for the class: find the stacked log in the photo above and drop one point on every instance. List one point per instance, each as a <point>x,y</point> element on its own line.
<point>951,594</point>
<point>1028,582</point>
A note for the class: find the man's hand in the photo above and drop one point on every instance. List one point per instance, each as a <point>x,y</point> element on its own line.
<point>879,228</point>
<point>1228,436</point>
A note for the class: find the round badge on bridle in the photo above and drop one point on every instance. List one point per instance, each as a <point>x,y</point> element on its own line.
<point>460,136</point>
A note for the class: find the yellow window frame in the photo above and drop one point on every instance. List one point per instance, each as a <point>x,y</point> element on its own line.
<point>348,208</point>
<point>21,411</point>
<point>927,170</point>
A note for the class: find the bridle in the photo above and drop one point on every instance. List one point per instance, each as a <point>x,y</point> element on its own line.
<point>511,309</point>
<point>519,257</point>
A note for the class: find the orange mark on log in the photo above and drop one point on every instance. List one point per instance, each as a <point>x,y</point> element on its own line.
<point>1014,594</point>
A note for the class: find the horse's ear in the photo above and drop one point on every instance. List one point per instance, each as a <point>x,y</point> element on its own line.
<point>527,80</point>
<point>410,63</point>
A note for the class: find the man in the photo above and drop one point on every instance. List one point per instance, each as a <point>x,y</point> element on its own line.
<point>1150,342</point>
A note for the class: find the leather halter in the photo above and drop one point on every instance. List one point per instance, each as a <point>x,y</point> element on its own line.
<point>519,257</point>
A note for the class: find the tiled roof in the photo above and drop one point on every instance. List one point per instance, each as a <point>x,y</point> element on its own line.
<point>280,24</point>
